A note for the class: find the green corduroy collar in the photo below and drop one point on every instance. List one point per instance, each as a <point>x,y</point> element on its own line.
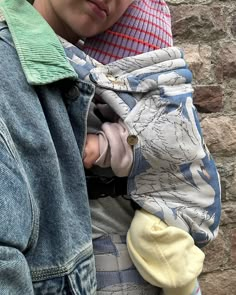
<point>40,52</point>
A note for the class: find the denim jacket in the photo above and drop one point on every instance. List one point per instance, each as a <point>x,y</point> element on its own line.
<point>45,232</point>
<point>173,176</point>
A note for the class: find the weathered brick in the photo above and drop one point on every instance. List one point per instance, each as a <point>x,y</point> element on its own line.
<point>231,190</point>
<point>198,22</point>
<point>233,246</point>
<point>220,134</point>
<point>228,60</point>
<point>228,213</point>
<point>216,253</point>
<point>219,283</point>
<point>227,176</point>
<point>208,98</point>
<point>233,26</point>
<point>233,100</point>
<point>199,59</point>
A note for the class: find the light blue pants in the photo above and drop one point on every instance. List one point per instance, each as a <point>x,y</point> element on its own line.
<point>116,274</point>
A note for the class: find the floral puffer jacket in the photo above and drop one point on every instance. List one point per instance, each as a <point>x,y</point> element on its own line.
<point>173,176</point>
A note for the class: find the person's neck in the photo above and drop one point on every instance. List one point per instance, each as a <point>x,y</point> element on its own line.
<point>47,12</point>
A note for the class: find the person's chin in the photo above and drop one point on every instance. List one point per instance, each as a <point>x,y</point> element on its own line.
<point>91,32</point>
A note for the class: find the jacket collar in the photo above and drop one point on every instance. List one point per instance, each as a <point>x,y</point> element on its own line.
<point>40,52</point>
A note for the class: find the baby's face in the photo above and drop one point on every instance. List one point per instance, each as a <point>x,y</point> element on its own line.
<point>87,18</point>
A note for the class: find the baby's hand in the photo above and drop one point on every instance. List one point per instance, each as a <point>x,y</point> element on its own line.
<point>91,151</point>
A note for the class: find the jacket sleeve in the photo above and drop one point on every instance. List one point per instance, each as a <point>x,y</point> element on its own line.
<point>174,176</point>
<point>165,256</point>
<point>16,221</point>
<point>115,152</point>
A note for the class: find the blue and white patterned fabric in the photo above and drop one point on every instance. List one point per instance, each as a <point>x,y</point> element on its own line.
<point>173,176</point>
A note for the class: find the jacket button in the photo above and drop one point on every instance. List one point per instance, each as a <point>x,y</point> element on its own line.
<point>132,139</point>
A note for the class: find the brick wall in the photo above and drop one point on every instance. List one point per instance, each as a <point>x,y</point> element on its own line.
<point>206,30</point>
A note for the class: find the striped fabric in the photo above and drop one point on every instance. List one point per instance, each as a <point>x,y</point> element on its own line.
<point>145,26</point>
<point>116,273</point>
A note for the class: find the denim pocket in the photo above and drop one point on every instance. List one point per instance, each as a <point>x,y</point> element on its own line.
<point>81,281</point>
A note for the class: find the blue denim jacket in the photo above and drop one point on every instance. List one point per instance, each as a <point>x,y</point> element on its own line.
<point>45,232</point>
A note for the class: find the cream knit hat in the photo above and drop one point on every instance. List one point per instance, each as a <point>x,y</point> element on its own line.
<point>164,255</point>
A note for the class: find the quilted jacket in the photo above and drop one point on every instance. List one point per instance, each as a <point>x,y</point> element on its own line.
<point>173,176</point>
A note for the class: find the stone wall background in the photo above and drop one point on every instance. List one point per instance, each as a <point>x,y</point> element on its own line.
<point>206,30</point>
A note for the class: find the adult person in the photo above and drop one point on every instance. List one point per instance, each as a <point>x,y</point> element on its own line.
<point>45,233</point>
